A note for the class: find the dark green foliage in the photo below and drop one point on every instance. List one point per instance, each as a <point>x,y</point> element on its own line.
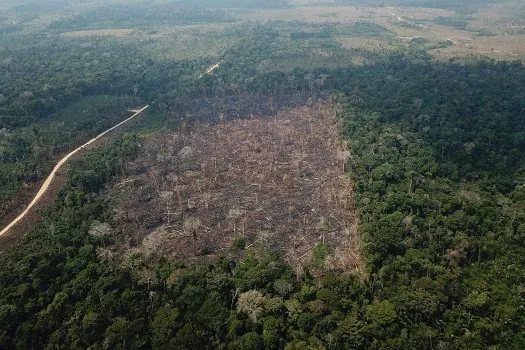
<point>438,169</point>
<point>64,281</point>
<point>321,251</point>
<point>438,165</point>
<point>365,28</point>
<point>359,28</point>
<point>309,35</point>
<point>57,94</point>
<point>453,22</point>
<point>140,15</point>
<point>239,244</point>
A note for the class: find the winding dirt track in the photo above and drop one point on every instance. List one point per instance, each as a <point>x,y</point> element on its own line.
<point>51,176</point>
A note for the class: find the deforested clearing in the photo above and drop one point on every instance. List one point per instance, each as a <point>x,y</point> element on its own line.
<point>252,185</point>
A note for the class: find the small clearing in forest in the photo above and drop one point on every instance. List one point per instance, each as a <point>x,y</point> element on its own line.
<point>263,184</point>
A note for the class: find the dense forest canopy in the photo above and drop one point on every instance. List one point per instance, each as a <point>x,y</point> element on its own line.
<point>441,228</point>
<point>436,156</point>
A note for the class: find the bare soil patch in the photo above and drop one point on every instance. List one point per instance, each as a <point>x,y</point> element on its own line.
<point>342,14</point>
<point>275,183</point>
<point>503,47</point>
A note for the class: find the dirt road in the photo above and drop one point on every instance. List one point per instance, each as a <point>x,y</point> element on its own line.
<point>51,176</point>
<point>211,69</point>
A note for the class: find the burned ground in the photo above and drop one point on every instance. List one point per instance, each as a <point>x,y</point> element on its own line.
<point>269,184</point>
<point>220,108</point>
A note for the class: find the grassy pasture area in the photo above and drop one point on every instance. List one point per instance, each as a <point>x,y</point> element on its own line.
<point>494,31</point>
<point>189,42</point>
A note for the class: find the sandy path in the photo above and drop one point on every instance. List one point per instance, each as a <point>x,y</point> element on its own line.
<point>211,69</point>
<point>51,176</point>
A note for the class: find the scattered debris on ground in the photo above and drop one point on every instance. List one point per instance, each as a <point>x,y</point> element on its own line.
<point>261,184</point>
